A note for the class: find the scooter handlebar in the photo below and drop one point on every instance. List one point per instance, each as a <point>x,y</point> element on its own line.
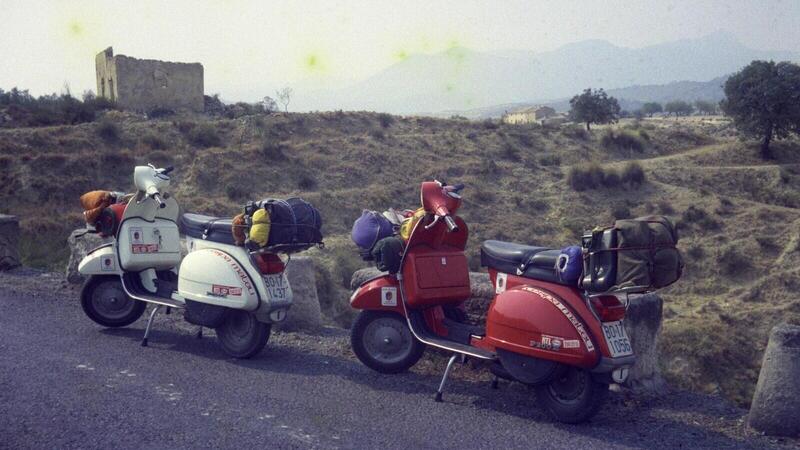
<point>157,198</point>
<point>451,224</point>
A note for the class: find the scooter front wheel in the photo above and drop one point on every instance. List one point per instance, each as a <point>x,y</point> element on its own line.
<point>383,342</point>
<point>104,301</point>
<point>572,397</point>
<point>241,335</point>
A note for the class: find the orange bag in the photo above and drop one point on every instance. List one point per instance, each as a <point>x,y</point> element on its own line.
<point>93,204</point>
<point>238,227</point>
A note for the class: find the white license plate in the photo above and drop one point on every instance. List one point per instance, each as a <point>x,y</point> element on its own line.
<point>617,339</point>
<point>277,287</point>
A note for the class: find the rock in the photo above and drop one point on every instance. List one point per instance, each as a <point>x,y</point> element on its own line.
<point>9,242</point>
<point>363,275</point>
<point>305,313</point>
<point>643,323</point>
<point>775,409</point>
<point>80,244</point>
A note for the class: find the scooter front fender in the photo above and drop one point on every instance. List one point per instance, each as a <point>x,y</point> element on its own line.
<point>100,261</point>
<point>382,293</point>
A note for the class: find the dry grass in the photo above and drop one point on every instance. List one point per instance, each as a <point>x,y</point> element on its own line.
<point>718,315</point>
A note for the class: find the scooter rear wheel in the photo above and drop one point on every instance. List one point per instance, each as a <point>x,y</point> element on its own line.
<point>241,335</point>
<point>105,302</point>
<point>572,397</point>
<point>383,342</point>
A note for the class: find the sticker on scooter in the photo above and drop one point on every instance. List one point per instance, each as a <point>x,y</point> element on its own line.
<point>107,263</point>
<point>549,343</point>
<point>388,296</point>
<point>224,291</point>
<point>137,236</point>
<point>502,280</point>
<point>572,343</point>
<point>144,248</point>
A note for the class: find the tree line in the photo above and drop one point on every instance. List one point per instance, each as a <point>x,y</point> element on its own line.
<point>762,100</point>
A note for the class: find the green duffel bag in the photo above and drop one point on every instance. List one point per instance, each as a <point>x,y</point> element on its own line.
<point>635,255</point>
<point>388,254</point>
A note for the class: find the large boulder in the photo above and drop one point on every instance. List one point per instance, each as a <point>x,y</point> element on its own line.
<point>80,244</point>
<point>305,313</point>
<point>361,276</point>
<point>643,324</point>
<point>775,409</point>
<point>9,242</point>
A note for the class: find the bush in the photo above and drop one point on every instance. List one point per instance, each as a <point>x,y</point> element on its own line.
<point>490,124</point>
<point>665,207</point>
<point>699,217</point>
<point>510,152</point>
<point>28,111</point>
<point>585,176</point>
<point>575,132</point>
<point>157,113</point>
<point>385,120</point>
<point>611,178</point>
<point>550,160</point>
<point>622,140</point>
<point>621,212</point>
<point>204,135</point>
<point>154,141</point>
<point>633,174</point>
<point>273,151</point>
<point>377,134</point>
<point>237,191</point>
<point>734,262</point>
<point>306,182</point>
<point>108,131</point>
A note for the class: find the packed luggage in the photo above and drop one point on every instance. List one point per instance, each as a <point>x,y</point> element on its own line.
<point>283,225</point>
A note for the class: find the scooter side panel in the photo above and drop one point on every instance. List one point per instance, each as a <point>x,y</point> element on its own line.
<point>100,261</point>
<point>215,277</point>
<point>382,293</point>
<point>569,295</point>
<point>536,323</point>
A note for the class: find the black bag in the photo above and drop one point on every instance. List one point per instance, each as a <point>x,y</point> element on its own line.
<point>293,222</point>
<point>635,255</point>
<point>388,254</point>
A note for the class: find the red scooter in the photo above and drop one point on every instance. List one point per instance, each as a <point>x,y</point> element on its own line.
<point>566,343</point>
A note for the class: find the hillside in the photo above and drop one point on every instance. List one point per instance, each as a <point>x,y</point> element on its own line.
<point>739,215</point>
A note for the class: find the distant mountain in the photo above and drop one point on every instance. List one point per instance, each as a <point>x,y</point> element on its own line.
<point>463,79</point>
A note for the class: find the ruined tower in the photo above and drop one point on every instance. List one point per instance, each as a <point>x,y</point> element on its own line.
<point>147,84</point>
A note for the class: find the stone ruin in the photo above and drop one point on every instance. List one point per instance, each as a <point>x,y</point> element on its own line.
<point>147,84</point>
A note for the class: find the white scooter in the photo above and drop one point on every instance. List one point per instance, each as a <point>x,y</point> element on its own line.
<point>221,285</point>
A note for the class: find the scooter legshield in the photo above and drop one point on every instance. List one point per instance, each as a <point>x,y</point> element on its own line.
<point>533,321</point>
<point>215,277</point>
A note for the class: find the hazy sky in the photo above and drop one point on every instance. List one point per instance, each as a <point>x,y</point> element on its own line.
<point>245,44</point>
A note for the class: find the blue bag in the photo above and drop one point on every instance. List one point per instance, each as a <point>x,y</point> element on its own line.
<point>569,265</point>
<point>370,228</point>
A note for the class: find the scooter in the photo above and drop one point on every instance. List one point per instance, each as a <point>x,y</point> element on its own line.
<point>236,291</point>
<point>567,344</point>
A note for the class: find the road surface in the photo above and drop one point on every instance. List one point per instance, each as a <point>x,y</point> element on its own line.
<point>66,382</point>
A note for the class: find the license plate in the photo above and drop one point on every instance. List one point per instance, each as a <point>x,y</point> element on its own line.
<point>277,287</point>
<point>617,339</point>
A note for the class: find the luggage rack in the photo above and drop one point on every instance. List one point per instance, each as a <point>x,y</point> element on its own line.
<point>295,247</point>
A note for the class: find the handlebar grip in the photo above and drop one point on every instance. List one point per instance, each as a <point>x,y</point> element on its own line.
<point>168,169</point>
<point>160,202</point>
<point>458,187</point>
<point>451,224</point>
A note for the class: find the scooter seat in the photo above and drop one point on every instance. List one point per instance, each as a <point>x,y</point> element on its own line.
<point>209,228</point>
<point>527,261</point>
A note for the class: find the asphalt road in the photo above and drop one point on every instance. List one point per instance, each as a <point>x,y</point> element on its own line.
<point>66,382</point>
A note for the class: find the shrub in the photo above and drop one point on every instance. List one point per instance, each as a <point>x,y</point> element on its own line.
<point>585,176</point>
<point>306,182</point>
<point>108,131</point>
<point>184,126</point>
<point>273,151</point>
<point>665,207</point>
<point>385,120</point>
<point>550,160</point>
<point>377,134</point>
<point>622,140</point>
<point>204,135</point>
<point>510,152</point>
<point>159,112</point>
<point>696,252</point>
<point>490,124</point>
<point>611,178</point>
<point>576,132</point>
<point>699,217</point>
<point>237,190</point>
<point>621,212</point>
<point>733,261</point>
<point>154,141</point>
<point>472,136</point>
<point>633,174</point>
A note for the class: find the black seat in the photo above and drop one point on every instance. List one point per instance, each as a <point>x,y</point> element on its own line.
<point>528,261</point>
<point>210,228</point>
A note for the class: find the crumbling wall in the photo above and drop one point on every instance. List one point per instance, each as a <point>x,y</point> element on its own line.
<point>147,84</point>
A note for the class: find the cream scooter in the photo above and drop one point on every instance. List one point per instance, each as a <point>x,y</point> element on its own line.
<point>238,292</point>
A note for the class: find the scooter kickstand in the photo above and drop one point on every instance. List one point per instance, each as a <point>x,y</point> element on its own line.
<point>149,323</point>
<point>444,378</point>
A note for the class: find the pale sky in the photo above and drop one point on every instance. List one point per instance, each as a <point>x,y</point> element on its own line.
<point>245,44</point>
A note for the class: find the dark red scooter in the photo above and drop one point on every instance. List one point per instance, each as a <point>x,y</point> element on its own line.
<point>567,344</point>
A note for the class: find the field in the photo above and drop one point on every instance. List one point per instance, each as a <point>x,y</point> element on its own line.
<point>739,216</point>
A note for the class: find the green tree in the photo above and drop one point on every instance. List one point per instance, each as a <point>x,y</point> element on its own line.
<point>651,108</point>
<point>705,107</point>
<point>594,107</point>
<point>763,99</point>
<point>679,108</point>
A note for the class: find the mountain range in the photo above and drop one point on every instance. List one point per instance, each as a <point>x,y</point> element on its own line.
<point>461,79</point>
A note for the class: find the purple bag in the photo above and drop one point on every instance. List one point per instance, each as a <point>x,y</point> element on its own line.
<point>370,228</point>
<point>569,265</point>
